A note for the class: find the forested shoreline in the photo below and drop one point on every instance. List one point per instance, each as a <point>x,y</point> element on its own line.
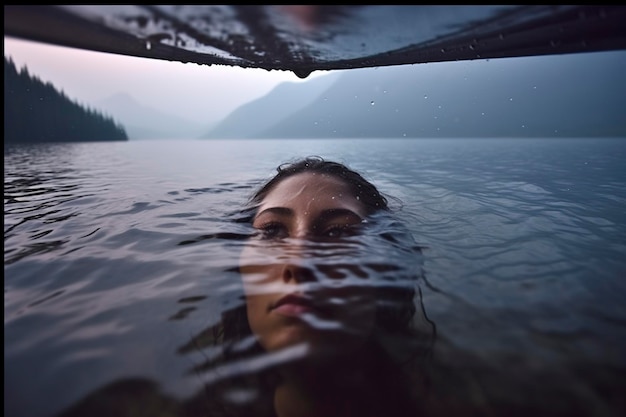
<point>35,111</point>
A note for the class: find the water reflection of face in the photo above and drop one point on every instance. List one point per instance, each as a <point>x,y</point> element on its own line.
<point>290,300</point>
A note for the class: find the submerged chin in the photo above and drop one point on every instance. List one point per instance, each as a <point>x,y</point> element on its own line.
<point>328,340</point>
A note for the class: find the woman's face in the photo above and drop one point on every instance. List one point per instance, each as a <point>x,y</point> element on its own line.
<point>293,293</point>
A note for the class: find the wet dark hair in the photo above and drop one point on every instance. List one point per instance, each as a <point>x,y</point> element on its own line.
<point>362,189</point>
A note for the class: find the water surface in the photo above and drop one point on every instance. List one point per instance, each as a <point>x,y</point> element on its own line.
<point>118,255</point>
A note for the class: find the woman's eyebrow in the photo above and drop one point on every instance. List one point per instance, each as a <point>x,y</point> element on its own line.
<point>337,212</point>
<point>325,215</point>
<point>281,211</point>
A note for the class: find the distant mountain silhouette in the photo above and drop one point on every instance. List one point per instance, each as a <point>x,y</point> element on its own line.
<point>144,122</point>
<point>261,114</point>
<point>558,96</point>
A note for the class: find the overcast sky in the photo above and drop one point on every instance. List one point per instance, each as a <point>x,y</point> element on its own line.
<point>199,93</point>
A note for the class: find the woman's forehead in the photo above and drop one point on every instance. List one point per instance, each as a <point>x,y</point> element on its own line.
<point>312,188</point>
<point>310,182</point>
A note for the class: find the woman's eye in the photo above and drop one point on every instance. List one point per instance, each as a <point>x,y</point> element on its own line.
<point>273,231</point>
<point>337,231</point>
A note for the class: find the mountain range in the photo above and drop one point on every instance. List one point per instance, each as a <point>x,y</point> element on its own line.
<point>144,122</point>
<point>557,96</point>
<point>575,95</point>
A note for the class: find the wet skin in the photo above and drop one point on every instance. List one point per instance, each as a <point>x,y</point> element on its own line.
<point>289,300</point>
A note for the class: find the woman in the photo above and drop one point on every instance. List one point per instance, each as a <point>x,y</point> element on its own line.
<point>329,324</point>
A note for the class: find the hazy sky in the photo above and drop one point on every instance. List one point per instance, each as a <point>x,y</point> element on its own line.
<point>199,93</point>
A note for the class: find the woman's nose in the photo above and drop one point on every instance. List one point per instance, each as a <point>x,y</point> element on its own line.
<point>297,263</point>
<point>297,272</point>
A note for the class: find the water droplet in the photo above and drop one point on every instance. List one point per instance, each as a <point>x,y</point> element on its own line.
<point>425,96</point>
<point>302,73</point>
<point>148,45</point>
<point>372,102</point>
<point>511,99</point>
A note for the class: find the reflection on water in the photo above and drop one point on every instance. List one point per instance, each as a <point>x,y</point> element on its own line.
<point>124,292</point>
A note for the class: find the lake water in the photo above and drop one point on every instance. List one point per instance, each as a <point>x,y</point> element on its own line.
<point>118,255</point>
